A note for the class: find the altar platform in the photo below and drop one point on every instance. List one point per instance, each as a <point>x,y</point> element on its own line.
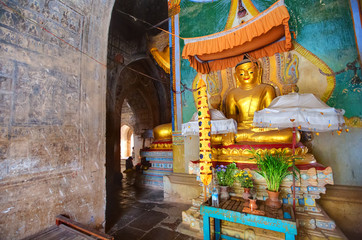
<point>237,210</point>
<point>312,221</point>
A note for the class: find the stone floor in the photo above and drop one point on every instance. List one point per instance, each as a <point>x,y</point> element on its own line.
<point>141,213</point>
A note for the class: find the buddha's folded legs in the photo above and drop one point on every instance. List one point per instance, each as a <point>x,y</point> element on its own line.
<point>255,135</point>
<point>266,136</point>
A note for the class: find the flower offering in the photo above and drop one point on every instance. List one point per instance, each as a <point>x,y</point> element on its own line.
<point>225,174</point>
<point>245,178</point>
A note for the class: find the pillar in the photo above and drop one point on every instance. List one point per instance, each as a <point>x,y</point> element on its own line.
<point>176,101</point>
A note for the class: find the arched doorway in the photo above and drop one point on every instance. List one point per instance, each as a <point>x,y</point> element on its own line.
<point>127,142</point>
<point>134,80</point>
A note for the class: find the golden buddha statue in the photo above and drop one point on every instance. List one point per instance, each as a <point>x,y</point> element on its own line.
<point>250,96</point>
<point>242,102</point>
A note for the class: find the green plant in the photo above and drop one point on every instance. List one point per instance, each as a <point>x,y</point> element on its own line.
<point>274,167</point>
<point>225,174</point>
<point>245,178</point>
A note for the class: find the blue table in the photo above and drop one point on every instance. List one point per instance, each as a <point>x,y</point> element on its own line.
<point>231,210</point>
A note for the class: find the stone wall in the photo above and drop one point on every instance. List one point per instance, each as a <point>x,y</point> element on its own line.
<point>344,206</point>
<point>128,116</point>
<point>52,113</point>
<point>342,153</point>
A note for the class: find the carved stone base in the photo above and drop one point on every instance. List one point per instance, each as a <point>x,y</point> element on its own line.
<point>181,187</point>
<point>240,153</point>
<point>167,144</point>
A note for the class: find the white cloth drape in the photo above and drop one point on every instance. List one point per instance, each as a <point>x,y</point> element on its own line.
<point>219,124</point>
<point>305,111</point>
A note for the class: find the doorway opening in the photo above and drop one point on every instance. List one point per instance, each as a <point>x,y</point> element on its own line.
<point>138,91</point>
<point>127,145</point>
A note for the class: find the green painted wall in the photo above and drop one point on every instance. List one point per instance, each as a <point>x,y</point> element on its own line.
<point>198,19</point>
<point>326,29</point>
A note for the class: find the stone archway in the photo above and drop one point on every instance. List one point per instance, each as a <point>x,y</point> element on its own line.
<point>130,78</point>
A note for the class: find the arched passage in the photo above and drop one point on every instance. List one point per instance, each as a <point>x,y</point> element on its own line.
<point>133,79</point>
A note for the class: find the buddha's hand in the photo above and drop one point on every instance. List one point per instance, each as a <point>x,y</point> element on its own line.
<point>228,139</point>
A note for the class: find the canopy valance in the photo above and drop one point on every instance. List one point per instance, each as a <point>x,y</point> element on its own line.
<point>264,35</point>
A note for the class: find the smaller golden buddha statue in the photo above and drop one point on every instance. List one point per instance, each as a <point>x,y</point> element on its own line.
<point>162,137</point>
<point>242,102</point>
<point>163,132</point>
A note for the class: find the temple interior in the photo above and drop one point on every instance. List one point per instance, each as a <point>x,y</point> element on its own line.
<point>123,115</point>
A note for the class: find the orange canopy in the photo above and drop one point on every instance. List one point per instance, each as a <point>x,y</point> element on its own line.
<point>264,35</point>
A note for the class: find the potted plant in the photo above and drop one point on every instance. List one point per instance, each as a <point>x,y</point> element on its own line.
<point>246,181</point>
<point>225,178</point>
<point>273,168</point>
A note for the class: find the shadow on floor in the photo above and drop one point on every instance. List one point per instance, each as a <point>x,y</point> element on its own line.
<point>138,212</point>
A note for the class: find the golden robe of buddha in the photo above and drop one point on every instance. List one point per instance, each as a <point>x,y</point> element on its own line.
<point>243,101</point>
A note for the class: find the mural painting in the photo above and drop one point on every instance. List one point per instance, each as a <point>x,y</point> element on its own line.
<point>324,59</point>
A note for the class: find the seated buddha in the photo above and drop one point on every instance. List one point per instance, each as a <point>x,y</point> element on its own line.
<point>249,96</point>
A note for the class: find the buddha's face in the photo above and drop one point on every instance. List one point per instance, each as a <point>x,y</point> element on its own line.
<point>247,73</point>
